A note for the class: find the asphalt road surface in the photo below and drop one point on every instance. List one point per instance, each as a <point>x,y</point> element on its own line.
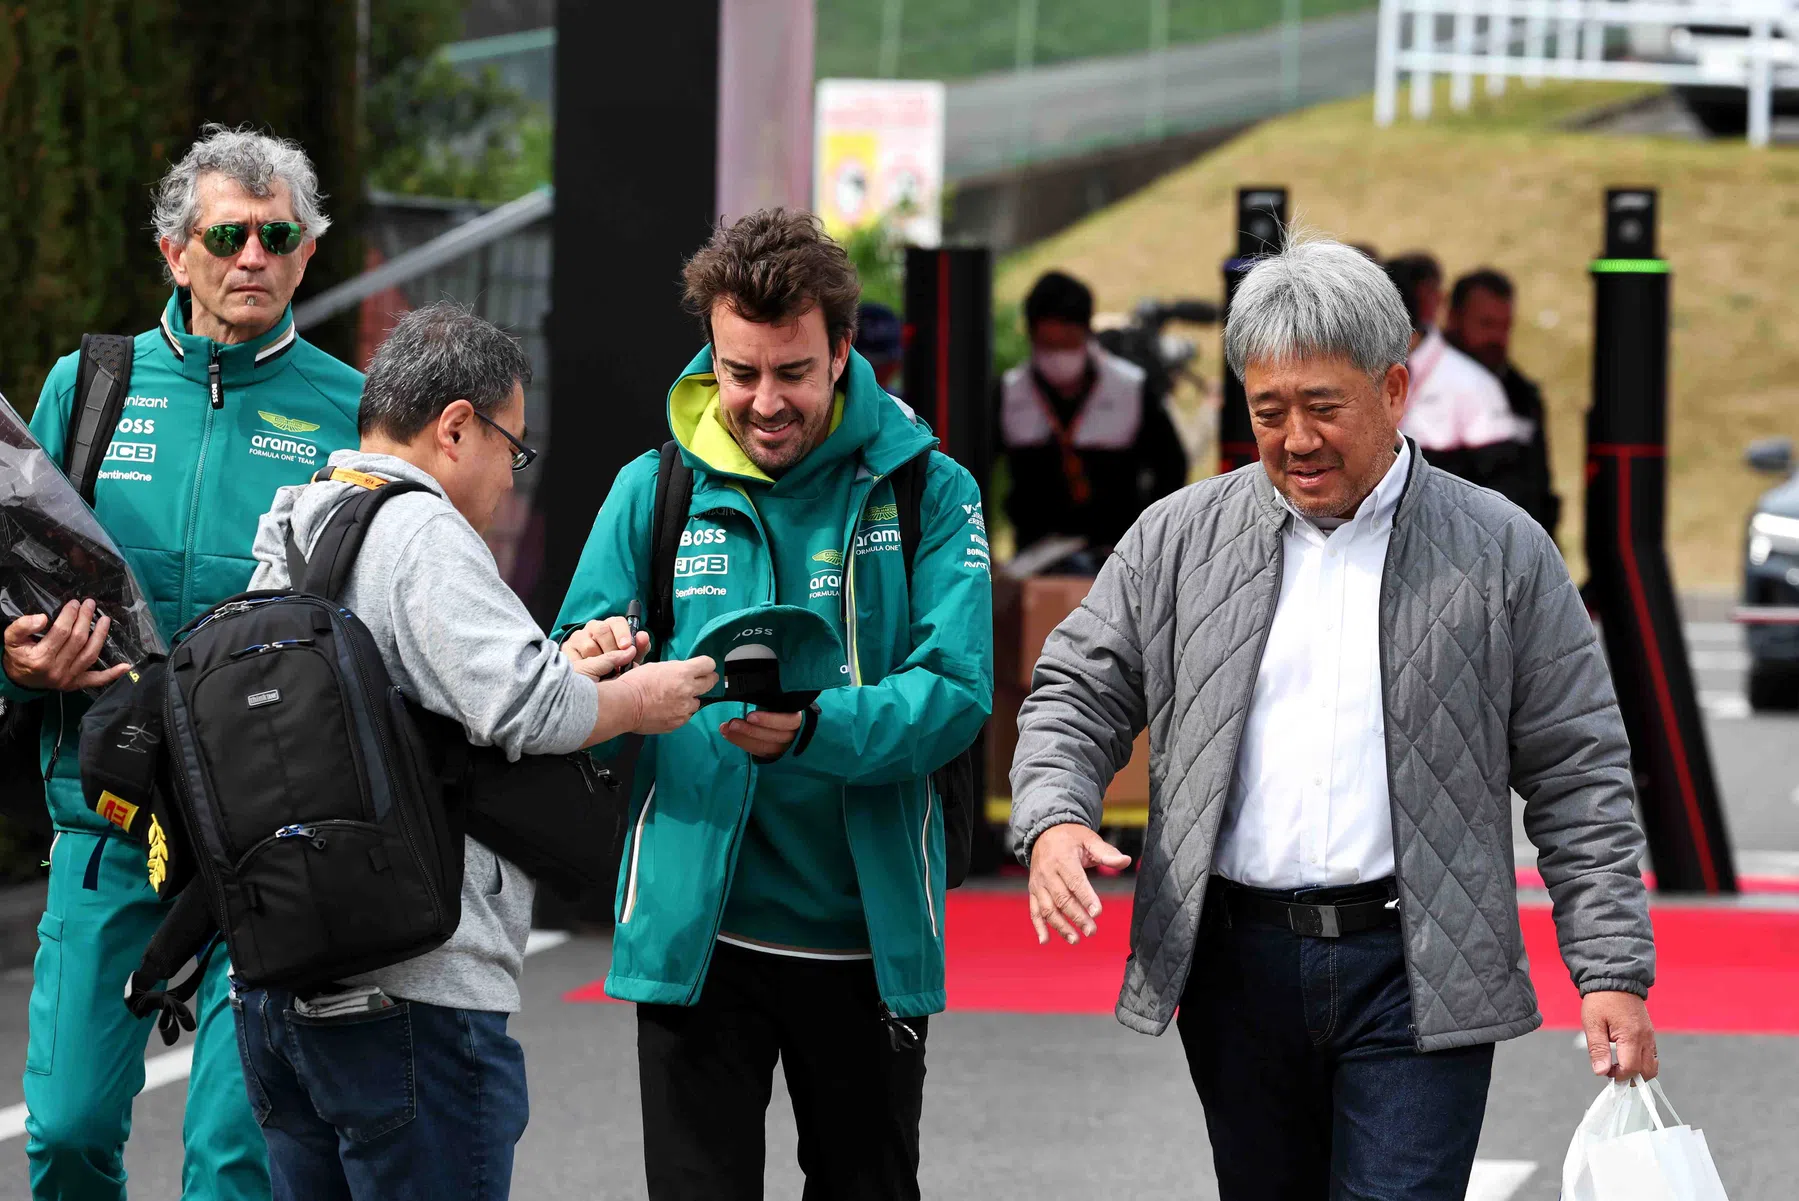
<point>1045,1106</point>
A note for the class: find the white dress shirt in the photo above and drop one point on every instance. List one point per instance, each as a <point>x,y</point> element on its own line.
<point>1308,799</point>
<point>1455,403</point>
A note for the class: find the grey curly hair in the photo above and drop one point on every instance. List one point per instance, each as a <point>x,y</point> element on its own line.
<point>255,161</point>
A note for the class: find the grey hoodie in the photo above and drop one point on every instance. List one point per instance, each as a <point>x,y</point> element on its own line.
<point>460,642</point>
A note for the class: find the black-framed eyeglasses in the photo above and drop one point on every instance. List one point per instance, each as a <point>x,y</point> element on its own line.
<point>521,454</point>
<point>277,237</point>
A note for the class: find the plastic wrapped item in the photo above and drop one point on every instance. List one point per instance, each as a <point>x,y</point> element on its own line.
<point>53,550</point>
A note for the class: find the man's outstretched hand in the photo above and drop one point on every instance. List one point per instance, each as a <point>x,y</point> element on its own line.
<point>1060,894</point>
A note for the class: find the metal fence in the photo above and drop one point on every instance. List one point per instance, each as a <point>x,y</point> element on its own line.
<point>1727,45</point>
<point>497,262</point>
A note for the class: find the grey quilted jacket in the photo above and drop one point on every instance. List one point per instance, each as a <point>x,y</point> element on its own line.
<point>1492,678</point>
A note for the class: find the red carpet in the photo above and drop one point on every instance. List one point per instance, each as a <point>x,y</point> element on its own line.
<point>1721,970</point>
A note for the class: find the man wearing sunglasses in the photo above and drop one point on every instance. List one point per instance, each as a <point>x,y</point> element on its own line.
<point>226,404</point>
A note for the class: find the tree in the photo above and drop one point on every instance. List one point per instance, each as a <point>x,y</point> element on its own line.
<point>97,97</point>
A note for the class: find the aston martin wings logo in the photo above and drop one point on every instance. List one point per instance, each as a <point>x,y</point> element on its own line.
<point>833,557</point>
<point>287,425</point>
<point>880,513</point>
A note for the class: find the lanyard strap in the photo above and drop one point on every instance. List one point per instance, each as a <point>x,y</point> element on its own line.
<point>1074,472</point>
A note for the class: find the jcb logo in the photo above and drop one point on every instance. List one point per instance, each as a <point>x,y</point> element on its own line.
<point>132,452</point>
<point>137,425</point>
<point>703,565</point>
<point>712,536</point>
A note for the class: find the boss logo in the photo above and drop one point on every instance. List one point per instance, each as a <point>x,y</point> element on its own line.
<point>703,565</point>
<point>132,452</point>
<point>137,425</point>
<point>753,632</point>
<point>712,536</point>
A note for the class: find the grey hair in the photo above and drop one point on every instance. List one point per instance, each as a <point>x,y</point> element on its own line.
<point>434,356</point>
<point>1317,298</point>
<point>255,161</point>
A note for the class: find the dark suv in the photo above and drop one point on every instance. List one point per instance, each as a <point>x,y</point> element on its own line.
<point>1770,612</point>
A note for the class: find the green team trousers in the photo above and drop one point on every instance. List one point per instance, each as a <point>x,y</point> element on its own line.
<point>85,1060</point>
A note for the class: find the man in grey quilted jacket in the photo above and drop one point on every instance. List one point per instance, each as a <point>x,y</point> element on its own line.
<point>1347,660</point>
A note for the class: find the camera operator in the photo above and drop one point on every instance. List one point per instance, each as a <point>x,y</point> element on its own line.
<point>1085,434</point>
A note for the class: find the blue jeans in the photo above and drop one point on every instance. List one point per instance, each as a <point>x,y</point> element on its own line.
<point>1303,1055</point>
<point>415,1101</point>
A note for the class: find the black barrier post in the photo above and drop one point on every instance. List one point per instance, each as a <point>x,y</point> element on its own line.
<point>949,350</point>
<point>1630,586</point>
<point>1261,217</point>
<point>635,196</point>
<point>949,382</point>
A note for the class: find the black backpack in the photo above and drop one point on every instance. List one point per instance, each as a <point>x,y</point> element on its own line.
<point>317,813</point>
<point>955,781</point>
<point>311,802</point>
<point>102,378</point>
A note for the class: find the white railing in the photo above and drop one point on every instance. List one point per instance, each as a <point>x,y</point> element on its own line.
<point>1565,39</point>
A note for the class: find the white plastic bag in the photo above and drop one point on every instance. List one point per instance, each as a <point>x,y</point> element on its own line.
<point>1623,1150</point>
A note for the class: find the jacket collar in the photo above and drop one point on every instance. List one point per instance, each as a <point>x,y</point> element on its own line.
<point>239,363</point>
<point>1272,508</point>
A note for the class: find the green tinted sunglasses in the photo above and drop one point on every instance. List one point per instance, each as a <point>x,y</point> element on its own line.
<point>277,237</point>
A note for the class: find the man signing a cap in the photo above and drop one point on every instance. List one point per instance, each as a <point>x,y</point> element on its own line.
<point>781,895</point>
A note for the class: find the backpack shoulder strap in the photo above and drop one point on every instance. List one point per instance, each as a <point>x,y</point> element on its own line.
<point>908,481</point>
<point>102,377</point>
<point>674,496</point>
<point>334,551</point>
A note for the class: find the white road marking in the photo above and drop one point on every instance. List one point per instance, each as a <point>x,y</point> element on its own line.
<point>543,940</point>
<point>1716,660</point>
<point>1725,706</point>
<point>1784,864</point>
<point>1499,1179</point>
<point>1714,631</point>
<point>175,1065</point>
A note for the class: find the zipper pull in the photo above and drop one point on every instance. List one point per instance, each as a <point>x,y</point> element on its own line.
<point>308,832</point>
<point>899,1035</point>
<point>584,765</point>
<point>215,380</point>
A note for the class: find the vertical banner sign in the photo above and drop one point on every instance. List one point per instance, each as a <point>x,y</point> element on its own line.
<point>878,153</point>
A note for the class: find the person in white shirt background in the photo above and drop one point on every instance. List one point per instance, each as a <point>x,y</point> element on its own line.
<point>1455,407</point>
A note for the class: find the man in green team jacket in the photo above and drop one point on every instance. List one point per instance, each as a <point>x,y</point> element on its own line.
<point>782,893</point>
<point>227,403</point>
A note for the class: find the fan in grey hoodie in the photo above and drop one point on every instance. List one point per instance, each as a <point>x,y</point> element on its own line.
<point>418,1091</point>
<point>458,641</point>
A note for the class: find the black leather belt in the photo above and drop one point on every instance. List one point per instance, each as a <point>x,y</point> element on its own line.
<point>1310,912</point>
